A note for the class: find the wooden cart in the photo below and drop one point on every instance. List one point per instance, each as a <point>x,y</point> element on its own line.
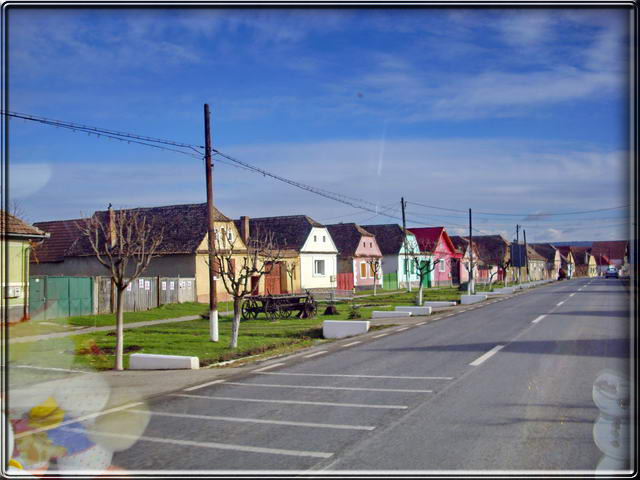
<point>279,306</point>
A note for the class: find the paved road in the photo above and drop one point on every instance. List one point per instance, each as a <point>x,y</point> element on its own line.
<point>502,386</point>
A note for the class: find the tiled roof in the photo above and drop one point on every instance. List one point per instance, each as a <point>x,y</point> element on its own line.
<point>492,249</point>
<point>14,225</point>
<point>290,232</point>
<point>389,237</point>
<point>546,250</point>
<point>461,243</point>
<point>612,249</point>
<point>62,235</point>
<point>580,255</point>
<point>532,254</point>
<point>429,237</point>
<point>347,237</point>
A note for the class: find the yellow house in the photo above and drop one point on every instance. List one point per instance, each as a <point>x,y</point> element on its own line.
<point>16,239</point>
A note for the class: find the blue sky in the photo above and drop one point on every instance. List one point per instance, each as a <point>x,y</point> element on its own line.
<point>521,111</point>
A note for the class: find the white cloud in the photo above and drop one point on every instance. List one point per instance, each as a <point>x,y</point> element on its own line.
<point>28,180</point>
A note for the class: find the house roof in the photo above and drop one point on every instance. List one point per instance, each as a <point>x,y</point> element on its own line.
<point>62,235</point>
<point>565,250</point>
<point>290,232</point>
<point>389,237</point>
<point>12,225</point>
<point>532,254</point>
<point>183,227</point>
<point>429,237</point>
<point>546,250</point>
<point>613,249</point>
<point>492,249</point>
<point>579,256</point>
<point>347,237</point>
<point>462,244</point>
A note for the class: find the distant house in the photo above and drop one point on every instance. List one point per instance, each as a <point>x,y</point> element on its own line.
<point>16,239</point>
<point>399,248</point>
<point>536,268</point>
<point>615,252</point>
<point>585,263</point>
<point>183,252</point>
<point>493,251</point>
<point>480,272</point>
<point>435,242</point>
<point>552,259</point>
<point>309,247</point>
<point>357,249</point>
<point>567,263</point>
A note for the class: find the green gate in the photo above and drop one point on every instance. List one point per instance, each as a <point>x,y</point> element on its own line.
<point>59,297</point>
<point>426,281</point>
<point>390,281</point>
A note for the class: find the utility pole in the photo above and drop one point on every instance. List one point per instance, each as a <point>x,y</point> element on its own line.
<point>526,254</point>
<point>213,297</point>
<point>518,250</point>
<point>404,233</point>
<point>470,285</point>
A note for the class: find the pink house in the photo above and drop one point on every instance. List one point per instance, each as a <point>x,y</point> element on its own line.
<point>357,249</point>
<point>435,241</point>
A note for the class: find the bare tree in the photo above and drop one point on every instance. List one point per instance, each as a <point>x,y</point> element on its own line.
<point>375,265</point>
<point>261,255</point>
<point>124,242</point>
<point>423,267</point>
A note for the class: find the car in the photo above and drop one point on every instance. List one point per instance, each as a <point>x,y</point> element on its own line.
<point>612,272</point>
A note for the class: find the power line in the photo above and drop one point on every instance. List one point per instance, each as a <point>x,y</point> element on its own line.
<point>522,214</point>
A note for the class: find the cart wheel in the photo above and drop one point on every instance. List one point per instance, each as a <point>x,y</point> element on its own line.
<point>248,311</point>
<point>270,309</point>
<point>284,313</point>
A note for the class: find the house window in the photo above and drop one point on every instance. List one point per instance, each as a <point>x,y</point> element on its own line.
<point>441,261</point>
<point>318,267</point>
<point>363,270</point>
<point>315,238</point>
<point>324,239</point>
<point>230,236</point>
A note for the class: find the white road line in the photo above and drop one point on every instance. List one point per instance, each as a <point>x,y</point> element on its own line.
<point>572,294</point>
<point>213,445</point>
<point>77,420</point>
<point>355,376</point>
<point>258,420</point>
<point>402,329</point>
<point>315,387</point>
<point>352,343</point>
<point>490,353</point>
<point>294,402</point>
<point>560,303</point>
<point>381,335</point>
<point>202,385</point>
<point>538,319</point>
<point>421,323</point>
<point>315,354</point>
<point>55,369</point>
<point>270,366</point>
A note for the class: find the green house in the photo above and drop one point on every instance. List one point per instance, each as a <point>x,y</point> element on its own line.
<point>16,240</point>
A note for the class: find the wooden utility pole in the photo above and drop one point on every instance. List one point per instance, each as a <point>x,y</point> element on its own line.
<point>518,250</point>
<point>404,233</point>
<point>213,298</point>
<point>470,285</point>
<point>526,254</point>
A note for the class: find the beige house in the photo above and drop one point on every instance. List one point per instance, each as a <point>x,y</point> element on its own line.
<point>552,259</point>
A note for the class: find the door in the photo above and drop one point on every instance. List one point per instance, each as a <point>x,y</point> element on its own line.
<point>455,271</point>
<point>80,296</point>
<point>272,279</point>
<point>37,297</point>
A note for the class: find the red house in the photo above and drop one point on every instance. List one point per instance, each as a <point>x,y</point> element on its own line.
<point>435,241</point>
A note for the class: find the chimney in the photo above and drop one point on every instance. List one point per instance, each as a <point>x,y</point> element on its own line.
<point>111,226</point>
<point>244,229</point>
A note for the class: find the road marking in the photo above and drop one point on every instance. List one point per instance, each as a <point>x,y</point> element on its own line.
<point>352,343</point>
<point>560,303</point>
<point>270,366</point>
<point>572,294</point>
<point>327,388</point>
<point>381,335</point>
<point>356,376</point>
<point>202,385</point>
<point>77,420</point>
<point>213,445</point>
<point>258,420</point>
<point>402,329</point>
<point>294,402</point>
<point>487,355</point>
<point>55,369</point>
<point>315,354</point>
<point>421,323</point>
<point>538,319</point>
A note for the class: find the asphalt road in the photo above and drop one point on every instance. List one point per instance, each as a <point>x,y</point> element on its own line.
<point>505,385</point>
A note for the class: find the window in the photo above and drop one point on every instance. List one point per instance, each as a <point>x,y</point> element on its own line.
<point>324,239</point>
<point>363,270</point>
<point>230,236</point>
<point>318,267</point>
<point>441,261</point>
<point>413,267</point>
<point>315,238</point>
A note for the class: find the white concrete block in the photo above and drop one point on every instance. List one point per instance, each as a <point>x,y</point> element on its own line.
<point>507,290</point>
<point>438,304</point>
<point>389,314</point>
<point>344,328</point>
<point>150,361</point>
<point>415,310</point>
<point>468,299</point>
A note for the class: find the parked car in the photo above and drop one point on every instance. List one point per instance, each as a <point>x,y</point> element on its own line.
<point>612,272</point>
